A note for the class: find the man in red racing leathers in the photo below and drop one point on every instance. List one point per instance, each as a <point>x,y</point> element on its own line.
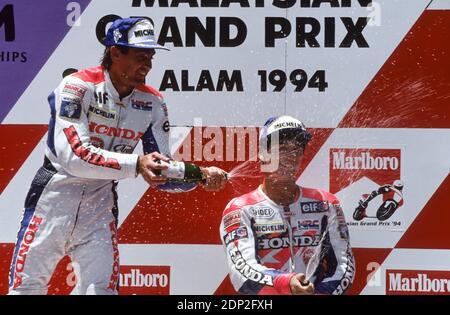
<point>271,233</point>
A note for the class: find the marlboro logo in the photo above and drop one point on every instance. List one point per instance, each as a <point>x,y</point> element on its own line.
<point>144,280</point>
<point>349,165</point>
<point>412,282</point>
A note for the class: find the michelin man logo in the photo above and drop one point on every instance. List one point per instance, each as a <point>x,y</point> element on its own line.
<point>117,35</point>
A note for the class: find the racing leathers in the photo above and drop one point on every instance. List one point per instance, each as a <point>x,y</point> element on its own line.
<point>71,206</point>
<point>267,244</point>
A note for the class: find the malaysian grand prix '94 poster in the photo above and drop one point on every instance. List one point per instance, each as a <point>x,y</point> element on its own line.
<point>370,80</point>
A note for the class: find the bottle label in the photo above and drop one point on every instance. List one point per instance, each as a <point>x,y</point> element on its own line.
<point>175,170</point>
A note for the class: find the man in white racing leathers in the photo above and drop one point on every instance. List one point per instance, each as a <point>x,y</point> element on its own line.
<point>98,116</point>
<point>271,233</point>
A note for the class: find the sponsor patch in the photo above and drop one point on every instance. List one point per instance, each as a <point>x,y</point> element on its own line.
<point>123,148</point>
<point>108,114</point>
<point>274,227</point>
<point>74,89</point>
<point>283,242</point>
<point>308,225</point>
<point>109,131</point>
<point>262,212</point>
<point>70,108</point>
<point>237,234</point>
<point>314,207</point>
<point>141,105</point>
<point>231,219</point>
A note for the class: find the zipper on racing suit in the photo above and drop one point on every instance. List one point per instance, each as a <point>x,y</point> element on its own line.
<point>287,215</point>
<point>78,209</point>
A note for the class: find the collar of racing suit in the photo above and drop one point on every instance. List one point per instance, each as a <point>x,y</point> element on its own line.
<point>114,94</point>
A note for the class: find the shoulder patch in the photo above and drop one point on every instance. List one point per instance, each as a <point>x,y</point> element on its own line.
<point>232,218</point>
<point>70,108</point>
<point>73,89</point>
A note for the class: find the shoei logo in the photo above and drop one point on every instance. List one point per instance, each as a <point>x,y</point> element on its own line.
<point>415,282</point>
<point>144,280</point>
<point>263,212</point>
<point>350,165</point>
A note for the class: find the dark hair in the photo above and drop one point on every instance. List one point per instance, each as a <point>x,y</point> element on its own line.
<point>69,71</point>
<point>106,60</point>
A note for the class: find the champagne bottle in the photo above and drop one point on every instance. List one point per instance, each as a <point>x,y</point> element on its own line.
<point>182,172</point>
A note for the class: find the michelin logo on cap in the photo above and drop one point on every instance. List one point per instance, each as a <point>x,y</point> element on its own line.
<point>284,122</point>
<point>132,32</point>
<point>141,33</point>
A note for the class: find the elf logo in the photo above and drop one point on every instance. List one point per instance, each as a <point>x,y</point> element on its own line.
<point>235,235</point>
<point>412,282</point>
<point>144,280</point>
<point>349,165</point>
